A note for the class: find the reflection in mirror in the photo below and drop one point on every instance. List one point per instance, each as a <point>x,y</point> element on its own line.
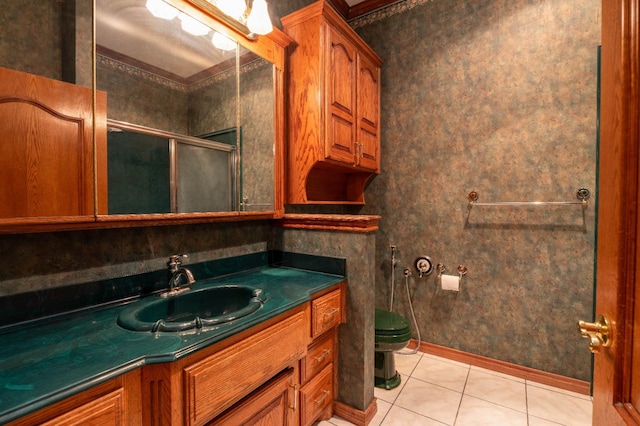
<point>46,110</point>
<point>258,133</point>
<point>180,93</point>
<point>151,171</point>
<point>48,38</point>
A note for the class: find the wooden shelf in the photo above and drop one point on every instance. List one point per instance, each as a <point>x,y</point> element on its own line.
<point>330,222</point>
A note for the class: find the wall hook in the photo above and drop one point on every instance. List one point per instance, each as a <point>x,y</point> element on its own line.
<point>462,271</point>
<point>441,269</point>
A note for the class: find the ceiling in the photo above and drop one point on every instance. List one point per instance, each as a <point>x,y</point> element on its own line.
<point>127,32</point>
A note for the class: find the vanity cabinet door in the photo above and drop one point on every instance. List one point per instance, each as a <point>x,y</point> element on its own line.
<point>46,147</point>
<point>106,410</point>
<point>217,382</point>
<point>116,402</point>
<point>274,404</point>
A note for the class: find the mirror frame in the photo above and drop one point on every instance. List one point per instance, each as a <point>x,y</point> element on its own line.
<point>271,47</point>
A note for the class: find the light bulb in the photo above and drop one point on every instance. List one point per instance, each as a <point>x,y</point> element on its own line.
<point>160,9</point>
<point>259,21</point>
<point>193,26</point>
<point>233,8</point>
<point>223,42</point>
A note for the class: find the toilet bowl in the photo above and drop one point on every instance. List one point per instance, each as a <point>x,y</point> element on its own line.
<point>392,334</point>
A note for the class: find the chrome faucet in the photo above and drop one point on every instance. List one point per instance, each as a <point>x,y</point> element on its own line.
<point>177,272</point>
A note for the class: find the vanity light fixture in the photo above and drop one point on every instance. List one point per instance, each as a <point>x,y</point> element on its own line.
<point>233,8</point>
<point>192,25</point>
<point>251,22</point>
<point>258,20</point>
<point>160,9</point>
<point>223,42</point>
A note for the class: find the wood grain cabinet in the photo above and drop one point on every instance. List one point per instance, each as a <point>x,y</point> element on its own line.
<point>273,404</point>
<point>303,393</point>
<point>116,402</point>
<point>215,382</point>
<point>47,150</point>
<point>333,109</point>
<point>318,369</point>
<point>278,373</point>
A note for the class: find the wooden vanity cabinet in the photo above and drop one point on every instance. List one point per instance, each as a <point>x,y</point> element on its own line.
<point>333,109</point>
<point>281,372</point>
<point>116,402</point>
<point>197,389</point>
<point>273,404</point>
<point>318,369</point>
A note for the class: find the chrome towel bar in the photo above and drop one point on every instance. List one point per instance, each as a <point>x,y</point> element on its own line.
<point>582,194</point>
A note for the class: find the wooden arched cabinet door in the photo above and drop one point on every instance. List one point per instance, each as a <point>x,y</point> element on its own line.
<point>616,382</point>
<point>46,147</point>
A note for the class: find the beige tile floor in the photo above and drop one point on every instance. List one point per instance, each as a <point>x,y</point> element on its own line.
<point>438,391</point>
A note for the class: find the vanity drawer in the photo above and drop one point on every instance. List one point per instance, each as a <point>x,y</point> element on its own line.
<point>326,312</point>
<point>215,383</point>
<point>316,395</point>
<point>320,354</point>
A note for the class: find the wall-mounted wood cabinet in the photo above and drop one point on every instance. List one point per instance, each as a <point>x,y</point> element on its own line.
<point>333,109</point>
<point>47,149</point>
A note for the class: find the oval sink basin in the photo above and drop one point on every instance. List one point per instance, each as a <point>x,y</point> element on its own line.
<point>193,309</point>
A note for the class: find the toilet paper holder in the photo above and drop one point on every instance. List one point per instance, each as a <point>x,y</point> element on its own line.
<point>462,271</point>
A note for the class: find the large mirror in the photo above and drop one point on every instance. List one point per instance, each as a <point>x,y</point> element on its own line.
<point>190,125</point>
<point>190,114</point>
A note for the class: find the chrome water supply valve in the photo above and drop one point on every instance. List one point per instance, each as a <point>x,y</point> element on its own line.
<point>424,265</point>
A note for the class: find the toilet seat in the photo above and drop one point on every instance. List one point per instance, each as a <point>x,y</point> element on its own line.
<point>391,327</point>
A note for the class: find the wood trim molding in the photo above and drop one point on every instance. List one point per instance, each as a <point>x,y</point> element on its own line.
<point>330,222</point>
<point>527,373</point>
<point>355,416</point>
<point>362,8</point>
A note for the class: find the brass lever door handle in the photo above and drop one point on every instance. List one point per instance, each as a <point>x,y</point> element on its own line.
<point>598,333</point>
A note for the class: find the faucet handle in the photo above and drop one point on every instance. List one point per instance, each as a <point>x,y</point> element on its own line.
<point>175,261</point>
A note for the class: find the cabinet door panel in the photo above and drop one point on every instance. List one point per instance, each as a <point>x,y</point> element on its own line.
<point>341,98</point>
<point>219,381</point>
<point>271,405</point>
<point>107,410</point>
<point>46,147</point>
<point>368,114</point>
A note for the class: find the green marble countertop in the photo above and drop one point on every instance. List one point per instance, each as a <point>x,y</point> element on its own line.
<point>46,361</point>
